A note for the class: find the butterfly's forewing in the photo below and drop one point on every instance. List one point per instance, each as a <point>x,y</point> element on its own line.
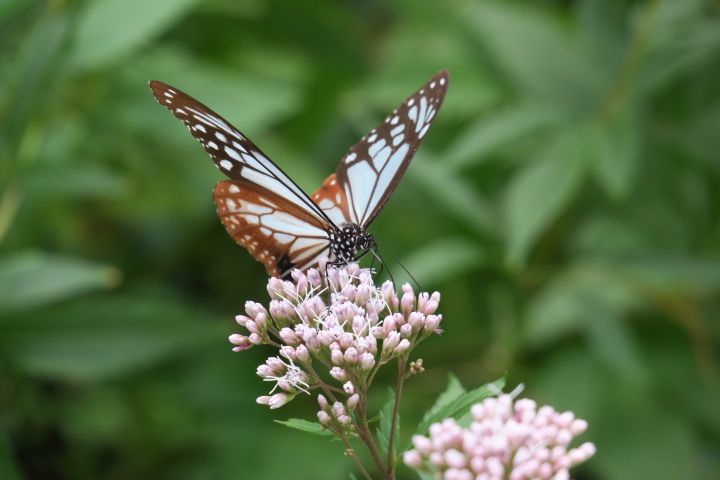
<point>275,231</point>
<point>233,153</point>
<point>367,176</point>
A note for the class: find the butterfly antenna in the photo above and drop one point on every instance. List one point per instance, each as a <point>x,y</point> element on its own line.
<point>376,254</point>
<point>417,284</point>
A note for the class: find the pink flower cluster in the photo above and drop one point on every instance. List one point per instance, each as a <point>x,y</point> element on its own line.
<point>339,323</point>
<point>506,441</point>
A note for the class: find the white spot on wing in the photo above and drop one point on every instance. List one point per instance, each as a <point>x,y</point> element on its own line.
<point>387,175</point>
<point>382,157</point>
<point>361,178</point>
<point>233,154</point>
<point>226,164</point>
<point>375,147</point>
<point>423,109</point>
<point>397,130</point>
<point>413,114</point>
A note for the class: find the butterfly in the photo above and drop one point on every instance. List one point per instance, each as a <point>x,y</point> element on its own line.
<point>266,212</point>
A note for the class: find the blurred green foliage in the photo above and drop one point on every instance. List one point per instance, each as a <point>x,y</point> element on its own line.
<point>566,204</point>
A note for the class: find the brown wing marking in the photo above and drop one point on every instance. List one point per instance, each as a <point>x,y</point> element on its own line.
<point>276,232</point>
<point>331,198</point>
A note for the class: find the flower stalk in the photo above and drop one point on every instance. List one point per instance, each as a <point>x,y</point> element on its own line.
<point>334,329</point>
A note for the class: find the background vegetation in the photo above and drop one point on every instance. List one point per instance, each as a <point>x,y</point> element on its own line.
<point>566,203</point>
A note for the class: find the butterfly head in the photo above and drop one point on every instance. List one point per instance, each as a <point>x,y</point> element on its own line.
<point>364,241</point>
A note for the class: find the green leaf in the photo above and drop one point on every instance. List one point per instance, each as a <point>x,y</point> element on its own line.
<point>8,469</point>
<point>497,130</point>
<point>386,421</point>
<point>99,42</point>
<point>540,191</point>
<point>106,336</point>
<point>539,56</point>
<point>613,343</point>
<point>458,406</point>
<point>444,259</point>
<point>306,426</point>
<point>561,307</point>
<point>258,98</point>
<point>458,195</point>
<point>34,279</point>
<point>79,181</point>
<point>616,154</point>
<point>453,390</point>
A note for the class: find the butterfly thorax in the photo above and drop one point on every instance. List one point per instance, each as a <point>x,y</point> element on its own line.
<point>349,240</point>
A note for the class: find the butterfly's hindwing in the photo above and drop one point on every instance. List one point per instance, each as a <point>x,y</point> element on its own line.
<point>373,167</point>
<point>275,231</point>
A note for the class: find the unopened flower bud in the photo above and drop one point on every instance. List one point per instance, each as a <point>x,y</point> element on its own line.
<point>416,367</point>
<point>289,337</point>
<point>391,342</point>
<point>302,354</point>
<point>416,320</point>
<point>241,342</point>
<point>278,400</point>
<point>322,401</point>
<point>338,374</point>
<point>407,302</point>
<point>402,347</point>
<point>412,458</point>
<point>346,340</point>
<point>261,321</point>
<point>353,401</point>
<point>367,361</point>
<point>432,322</point>
<point>338,409</point>
<point>241,320</point>
<point>287,352</point>
<point>337,357</point>
<point>324,418</point>
<point>351,355</point>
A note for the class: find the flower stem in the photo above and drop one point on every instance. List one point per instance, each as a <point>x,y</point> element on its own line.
<point>351,452</point>
<point>395,415</point>
<point>367,438</point>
